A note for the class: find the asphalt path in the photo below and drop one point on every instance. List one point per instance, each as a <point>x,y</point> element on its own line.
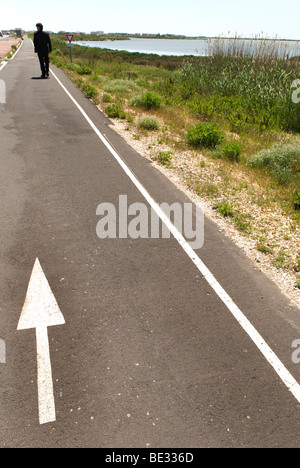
<point>149,355</point>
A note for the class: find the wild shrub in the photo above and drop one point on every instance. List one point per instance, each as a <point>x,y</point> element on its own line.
<point>296,199</point>
<point>57,52</point>
<point>107,98</point>
<point>120,87</point>
<point>259,91</point>
<point>149,123</point>
<point>148,101</point>
<point>164,158</point>
<point>281,161</point>
<point>225,209</point>
<point>84,71</point>
<point>89,90</point>
<point>115,112</point>
<point>72,66</point>
<point>230,150</point>
<point>204,135</point>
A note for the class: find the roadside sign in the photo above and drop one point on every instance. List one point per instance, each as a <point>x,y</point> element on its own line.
<point>70,38</point>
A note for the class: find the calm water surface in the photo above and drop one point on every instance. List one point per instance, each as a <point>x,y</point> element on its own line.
<point>195,47</point>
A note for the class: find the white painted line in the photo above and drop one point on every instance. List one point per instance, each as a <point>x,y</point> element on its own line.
<point>18,50</point>
<point>261,344</point>
<point>3,65</point>
<point>40,311</point>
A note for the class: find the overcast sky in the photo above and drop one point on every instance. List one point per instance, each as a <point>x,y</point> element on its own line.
<point>267,18</point>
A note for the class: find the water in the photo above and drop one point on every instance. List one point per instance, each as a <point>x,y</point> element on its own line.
<point>195,47</point>
<point>154,46</point>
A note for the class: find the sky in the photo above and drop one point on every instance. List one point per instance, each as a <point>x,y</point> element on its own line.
<point>264,18</point>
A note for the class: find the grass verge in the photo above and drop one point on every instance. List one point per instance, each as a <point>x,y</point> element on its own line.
<point>226,125</point>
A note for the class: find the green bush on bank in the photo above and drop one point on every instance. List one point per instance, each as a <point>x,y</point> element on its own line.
<point>149,123</point>
<point>115,111</point>
<point>89,90</point>
<point>281,161</point>
<point>207,135</point>
<point>148,101</point>
<point>230,150</point>
<point>247,93</point>
<point>84,70</point>
<point>249,97</point>
<point>120,87</point>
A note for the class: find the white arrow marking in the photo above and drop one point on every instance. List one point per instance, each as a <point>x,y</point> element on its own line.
<point>40,311</point>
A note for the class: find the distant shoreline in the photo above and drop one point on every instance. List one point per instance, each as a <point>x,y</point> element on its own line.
<point>194,47</point>
<point>166,37</point>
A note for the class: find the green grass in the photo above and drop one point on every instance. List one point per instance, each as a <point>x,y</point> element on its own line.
<point>84,70</point>
<point>296,199</point>
<point>207,135</point>
<point>264,248</point>
<point>242,92</point>
<point>230,115</point>
<point>120,87</point>
<point>115,111</point>
<point>164,158</point>
<point>149,123</point>
<point>89,90</point>
<point>225,209</point>
<point>147,101</point>
<point>281,161</point>
<point>241,220</point>
<point>230,150</point>
<point>280,259</point>
<point>229,106</point>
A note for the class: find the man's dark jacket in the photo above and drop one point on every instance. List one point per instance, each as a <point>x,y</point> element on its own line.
<point>42,43</point>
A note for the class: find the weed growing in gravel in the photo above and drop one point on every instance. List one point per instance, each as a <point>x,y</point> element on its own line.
<point>281,161</point>
<point>89,90</point>
<point>115,112</point>
<point>164,158</point>
<point>149,123</point>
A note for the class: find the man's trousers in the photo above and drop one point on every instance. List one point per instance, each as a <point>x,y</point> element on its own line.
<point>44,62</point>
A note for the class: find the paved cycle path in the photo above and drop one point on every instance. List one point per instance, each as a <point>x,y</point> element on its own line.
<point>151,350</point>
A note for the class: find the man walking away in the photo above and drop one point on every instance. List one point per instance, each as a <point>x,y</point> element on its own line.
<point>42,46</point>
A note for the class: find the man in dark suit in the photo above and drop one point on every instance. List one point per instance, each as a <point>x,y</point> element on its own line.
<point>42,46</point>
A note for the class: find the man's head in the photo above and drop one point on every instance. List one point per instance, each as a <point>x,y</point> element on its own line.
<point>40,27</point>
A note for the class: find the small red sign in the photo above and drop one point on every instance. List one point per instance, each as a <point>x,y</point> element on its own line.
<point>70,37</point>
